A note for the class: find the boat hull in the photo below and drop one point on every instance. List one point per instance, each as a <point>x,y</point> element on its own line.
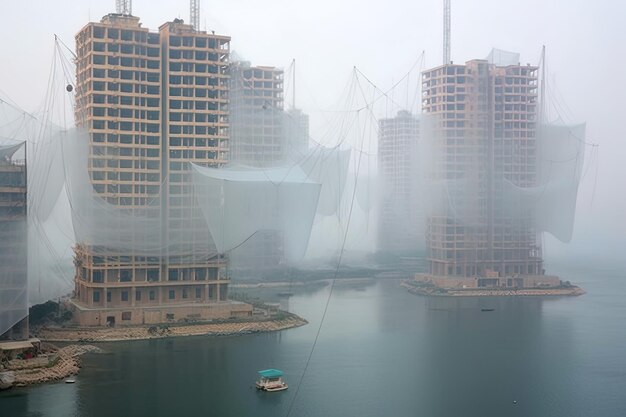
<point>272,388</point>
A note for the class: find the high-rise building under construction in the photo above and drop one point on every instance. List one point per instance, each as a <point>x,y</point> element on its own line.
<point>484,143</point>
<point>13,243</point>
<point>151,102</point>
<point>258,140</point>
<point>400,225</point>
<point>257,117</point>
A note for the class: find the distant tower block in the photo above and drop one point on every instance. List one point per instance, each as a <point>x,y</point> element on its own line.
<point>256,115</point>
<point>194,14</point>
<point>400,214</point>
<point>124,7</point>
<point>446,32</point>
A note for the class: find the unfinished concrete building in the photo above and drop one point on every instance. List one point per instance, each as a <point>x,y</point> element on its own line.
<point>257,139</point>
<point>152,102</point>
<point>484,139</point>
<point>195,102</point>
<point>13,244</point>
<point>296,132</point>
<point>257,118</point>
<point>400,225</point>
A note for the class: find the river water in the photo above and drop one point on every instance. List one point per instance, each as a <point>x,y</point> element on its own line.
<point>381,352</point>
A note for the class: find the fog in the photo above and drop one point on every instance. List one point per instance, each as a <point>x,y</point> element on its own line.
<point>359,62</point>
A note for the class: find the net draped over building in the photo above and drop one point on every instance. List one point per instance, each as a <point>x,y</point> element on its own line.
<point>180,159</point>
<point>151,103</point>
<point>257,140</point>
<point>491,171</point>
<point>13,243</point>
<point>152,106</point>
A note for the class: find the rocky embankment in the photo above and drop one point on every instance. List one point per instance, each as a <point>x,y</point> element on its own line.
<point>154,332</point>
<point>431,290</point>
<point>53,367</point>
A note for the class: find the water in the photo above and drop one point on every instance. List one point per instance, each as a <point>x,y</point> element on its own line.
<point>381,352</point>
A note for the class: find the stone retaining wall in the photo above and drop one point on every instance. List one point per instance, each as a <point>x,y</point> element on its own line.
<point>490,292</point>
<point>154,332</point>
<point>62,364</point>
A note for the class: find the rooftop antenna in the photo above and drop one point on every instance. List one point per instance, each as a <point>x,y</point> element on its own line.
<point>194,14</point>
<point>124,7</point>
<point>446,32</point>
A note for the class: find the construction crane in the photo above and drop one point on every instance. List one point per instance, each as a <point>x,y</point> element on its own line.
<point>194,14</point>
<point>124,7</point>
<point>446,32</point>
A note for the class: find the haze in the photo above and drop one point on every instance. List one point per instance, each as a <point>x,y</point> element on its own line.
<point>383,40</point>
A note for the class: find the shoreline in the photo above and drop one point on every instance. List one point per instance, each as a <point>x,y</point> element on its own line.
<point>299,284</point>
<point>146,332</point>
<point>433,291</point>
<point>63,363</point>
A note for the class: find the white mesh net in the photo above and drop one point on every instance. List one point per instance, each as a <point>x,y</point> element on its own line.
<point>13,232</point>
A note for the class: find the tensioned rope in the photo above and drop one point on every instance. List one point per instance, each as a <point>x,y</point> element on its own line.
<point>332,285</point>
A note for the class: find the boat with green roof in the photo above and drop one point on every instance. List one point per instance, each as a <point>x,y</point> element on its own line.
<point>271,380</point>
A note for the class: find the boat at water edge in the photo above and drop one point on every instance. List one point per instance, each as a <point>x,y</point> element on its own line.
<point>271,380</point>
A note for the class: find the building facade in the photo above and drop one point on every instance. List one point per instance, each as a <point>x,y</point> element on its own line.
<point>484,123</point>
<point>400,223</point>
<point>152,102</point>
<point>13,245</point>
<point>195,129</point>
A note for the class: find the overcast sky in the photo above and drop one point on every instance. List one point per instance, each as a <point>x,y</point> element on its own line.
<point>585,43</point>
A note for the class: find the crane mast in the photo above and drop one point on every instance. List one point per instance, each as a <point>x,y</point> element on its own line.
<point>194,14</point>
<point>124,7</point>
<point>446,32</point>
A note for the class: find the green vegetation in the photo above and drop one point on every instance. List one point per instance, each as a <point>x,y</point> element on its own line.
<point>50,311</point>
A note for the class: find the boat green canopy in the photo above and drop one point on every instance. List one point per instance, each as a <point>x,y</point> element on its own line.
<point>271,373</point>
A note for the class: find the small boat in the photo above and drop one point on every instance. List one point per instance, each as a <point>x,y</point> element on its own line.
<point>487,309</point>
<point>70,380</point>
<point>271,380</point>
